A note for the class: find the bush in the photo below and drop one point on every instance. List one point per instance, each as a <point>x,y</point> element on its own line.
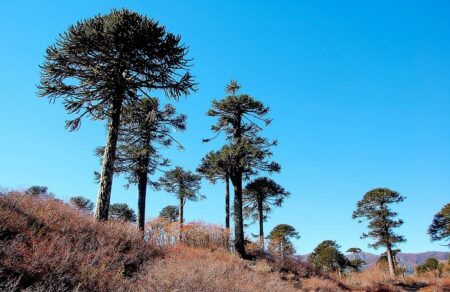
<point>46,245</point>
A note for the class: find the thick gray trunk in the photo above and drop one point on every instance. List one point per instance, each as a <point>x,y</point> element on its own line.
<point>106,178</point>
<point>181,211</point>
<point>261,224</point>
<point>227,202</point>
<point>390,259</point>
<point>239,244</point>
<point>142,193</point>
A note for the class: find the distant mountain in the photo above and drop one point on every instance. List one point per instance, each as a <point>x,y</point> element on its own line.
<point>409,260</point>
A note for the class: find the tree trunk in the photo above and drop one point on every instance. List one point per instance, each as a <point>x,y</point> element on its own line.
<point>227,202</point>
<point>181,207</point>
<point>261,224</point>
<point>106,178</point>
<point>142,193</point>
<point>239,244</point>
<point>390,259</point>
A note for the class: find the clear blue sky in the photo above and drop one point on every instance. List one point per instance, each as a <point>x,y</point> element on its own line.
<point>359,93</point>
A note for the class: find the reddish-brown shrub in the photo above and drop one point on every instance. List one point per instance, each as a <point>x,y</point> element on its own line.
<point>45,244</point>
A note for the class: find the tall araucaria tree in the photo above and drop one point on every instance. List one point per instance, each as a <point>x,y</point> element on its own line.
<point>213,167</point>
<point>440,227</point>
<point>237,117</point>
<point>258,198</point>
<point>382,221</point>
<point>144,127</point>
<point>185,185</point>
<point>106,62</point>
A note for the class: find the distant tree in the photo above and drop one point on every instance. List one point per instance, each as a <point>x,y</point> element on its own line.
<point>108,61</point>
<point>170,213</point>
<point>430,265</point>
<point>328,258</point>
<point>375,208</point>
<point>37,191</point>
<point>237,117</point>
<point>121,211</point>
<point>356,262</point>
<point>185,185</point>
<point>213,167</point>
<point>145,127</point>
<point>440,227</point>
<point>82,203</point>
<point>258,198</point>
<point>280,240</point>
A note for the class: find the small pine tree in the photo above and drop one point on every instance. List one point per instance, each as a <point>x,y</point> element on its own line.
<point>258,198</point>
<point>82,203</point>
<point>280,240</point>
<point>170,213</point>
<point>185,185</point>
<point>328,258</point>
<point>121,211</point>
<point>440,227</point>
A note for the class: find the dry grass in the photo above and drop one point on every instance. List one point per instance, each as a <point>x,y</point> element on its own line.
<point>195,269</point>
<point>46,245</point>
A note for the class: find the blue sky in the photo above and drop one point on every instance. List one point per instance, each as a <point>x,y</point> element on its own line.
<point>359,94</point>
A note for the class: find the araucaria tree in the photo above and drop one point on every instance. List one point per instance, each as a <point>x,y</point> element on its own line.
<point>82,203</point>
<point>121,211</point>
<point>170,213</point>
<point>382,221</point>
<point>440,227</point>
<point>145,127</point>
<point>104,63</point>
<point>214,167</point>
<point>258,198</point>
<point>237,117</point>
<point>185,185</point>
<point>280,240</point>
<point>328,258</point>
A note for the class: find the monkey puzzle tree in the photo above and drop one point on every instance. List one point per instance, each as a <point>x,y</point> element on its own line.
<point>258,197</point>
<point>143,126</point>
<point>440,227</point>
<point>214,167</point>
<point>280,240</point>
<point>82,203</point>
<point>103,63</point>
<point>328,258</point>
<point>185,185</point>
<point>121,211</point>
<point>356,262</point>
<point>170,213</point>
<point>375,208</point>
<point>237,117</point>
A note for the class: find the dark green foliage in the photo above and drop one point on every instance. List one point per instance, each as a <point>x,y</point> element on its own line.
<point>237,117</point>
<point>37,191</point>
<point>121,211</point>
<point>109,61</point>
<point>328,258</point>
<point>185,185</point>
<point>82,203</point>
<point>440,227</point>
<point>280,240</point>
<point>258,198</point>
<point>431,264</point>
<point>170,213</point>
<point>375,208</point>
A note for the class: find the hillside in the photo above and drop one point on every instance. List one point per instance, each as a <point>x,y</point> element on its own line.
<point>46,245</point>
